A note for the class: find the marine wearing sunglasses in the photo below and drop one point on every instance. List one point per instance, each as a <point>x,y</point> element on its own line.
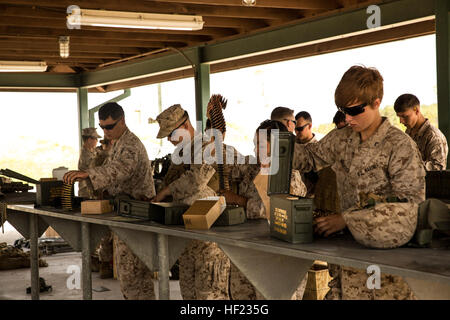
<point>355,110</point>
<point>110,126</point>
<point>363,118</point>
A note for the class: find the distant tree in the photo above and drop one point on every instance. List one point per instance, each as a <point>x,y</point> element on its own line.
<point>323,128</point>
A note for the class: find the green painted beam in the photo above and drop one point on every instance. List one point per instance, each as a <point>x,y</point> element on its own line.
<point>293,35</point>
<point>202,94</point>
<point>126,93</point>
<point>443,65</point>
<point>202,84</point>
<point>135,70</point>
<point>83,112</point>
<point>38,80</point>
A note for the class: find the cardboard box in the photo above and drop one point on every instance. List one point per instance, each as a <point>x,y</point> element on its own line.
<point>203,213</point>
<point>95,207</point>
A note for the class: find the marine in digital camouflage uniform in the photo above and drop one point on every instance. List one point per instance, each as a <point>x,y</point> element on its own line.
<point>203,266</point>
<point>90,157</point>
<point>304,135</point>
<point>371,159</point>
<point>240,286</point>
<point>431,141</point>
<point>88,154</point>
<point>432,146</point>
<point>126,171</point>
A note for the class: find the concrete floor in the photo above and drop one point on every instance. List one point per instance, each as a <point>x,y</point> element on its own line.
<point>13,283</point>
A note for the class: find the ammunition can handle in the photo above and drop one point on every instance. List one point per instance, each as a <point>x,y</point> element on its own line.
<point>126,207</point>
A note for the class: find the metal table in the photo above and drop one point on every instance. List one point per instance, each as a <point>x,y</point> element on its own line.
<point>274,267</point>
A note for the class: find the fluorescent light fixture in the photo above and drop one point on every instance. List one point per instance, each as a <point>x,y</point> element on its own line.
<point>64,46</point>
<point>121,19</point>
<point>23,66</point>
<point>249,3</point>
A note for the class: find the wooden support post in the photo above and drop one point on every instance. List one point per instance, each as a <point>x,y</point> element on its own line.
<point>202,94</point>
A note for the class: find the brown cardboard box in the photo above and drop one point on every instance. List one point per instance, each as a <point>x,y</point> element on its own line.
<point>317,284</point>
<point>95,206</point>
<point>51,233</point>
<point>203,213</point>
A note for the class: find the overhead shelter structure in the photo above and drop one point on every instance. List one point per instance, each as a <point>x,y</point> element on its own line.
<point>233,36</point>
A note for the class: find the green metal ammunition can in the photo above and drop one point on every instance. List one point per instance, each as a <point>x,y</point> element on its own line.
<point>291,218</point>
<point>161,212</point>
<point>231,216</point>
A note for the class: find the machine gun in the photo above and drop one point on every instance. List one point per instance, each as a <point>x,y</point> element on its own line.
<point>49,192</point>
<point>8,186</point>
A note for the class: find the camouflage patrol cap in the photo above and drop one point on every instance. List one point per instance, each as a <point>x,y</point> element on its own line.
<point>90,132</point>
<point>386,225</point>
<point>170,119</point>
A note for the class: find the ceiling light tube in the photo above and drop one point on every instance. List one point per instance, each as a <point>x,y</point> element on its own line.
<point>23,66</point>
<point>121,19</point>
<point>64,46</point>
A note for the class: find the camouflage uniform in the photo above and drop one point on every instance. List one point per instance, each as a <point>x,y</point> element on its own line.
<point>204,267</point>
<point>240,286</point>
<point>304,178</point>
<point>432,145</point>
<point>90,159</point>
<point>86,161</point>
<point>298,188</point>
<point>127,171</point>
<point>387,164</point>
<point>312,140</point>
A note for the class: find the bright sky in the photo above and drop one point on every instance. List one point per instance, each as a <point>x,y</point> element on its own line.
<point>301,84</point>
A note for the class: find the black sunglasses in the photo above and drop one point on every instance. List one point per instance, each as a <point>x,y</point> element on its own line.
<point>354,111</point>
<point>300,129</point>
<point>109,126</point>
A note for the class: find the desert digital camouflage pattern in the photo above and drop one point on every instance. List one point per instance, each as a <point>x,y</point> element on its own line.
<point>350,284</point>
<point>126,170</point>
<point>432,146</point>
<point>387,165</point>
<point>86,161</point>
<point>204,267</point>
<point>204,272</point>
<point>192,182</point>
<point>306,183</point>
<point>298,188</point>
<point>136,282</point>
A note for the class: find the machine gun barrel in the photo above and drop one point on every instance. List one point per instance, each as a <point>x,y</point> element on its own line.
<point>16,175</point>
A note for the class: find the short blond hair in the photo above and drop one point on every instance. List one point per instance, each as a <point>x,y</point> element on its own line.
<point>359,83</point>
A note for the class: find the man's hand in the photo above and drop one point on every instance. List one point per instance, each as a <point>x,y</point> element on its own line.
<point>161,195</point>
<point>73,175</point>
<point>329,224</point>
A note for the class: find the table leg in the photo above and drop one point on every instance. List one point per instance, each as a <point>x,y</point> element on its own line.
<point>86,283</point>
<point>34,257</point>
<point>163,270</point>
